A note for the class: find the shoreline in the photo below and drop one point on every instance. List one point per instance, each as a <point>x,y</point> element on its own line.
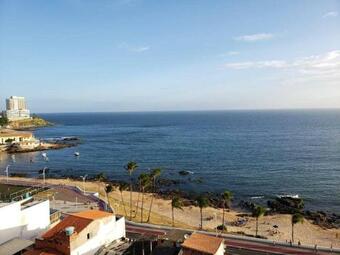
<point>306,233</point>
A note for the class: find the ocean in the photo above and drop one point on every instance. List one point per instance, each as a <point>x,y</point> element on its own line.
<point>255,154</point>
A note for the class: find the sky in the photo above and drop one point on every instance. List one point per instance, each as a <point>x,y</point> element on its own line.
<point>155,55</point>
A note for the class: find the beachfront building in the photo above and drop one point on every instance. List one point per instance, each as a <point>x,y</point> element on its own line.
<point>80,233</point>
<point>12,136</point>
<point>200,244</point>
<point>22,221</point>
<point>16,109</point>
<point>22,140</point>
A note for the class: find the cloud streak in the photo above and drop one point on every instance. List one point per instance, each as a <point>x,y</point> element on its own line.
<point>135,49</point>
<point>254,37</point>
<point>317,67</point>
<point>331,14</point>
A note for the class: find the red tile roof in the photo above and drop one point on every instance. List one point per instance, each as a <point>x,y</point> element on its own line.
<point>78,220</point>
<point>92,214</point>
<point>70,221</point>
<point>203,243</point>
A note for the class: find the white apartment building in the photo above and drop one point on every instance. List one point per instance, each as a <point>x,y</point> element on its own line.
<point>16,109</point>
<point>24,219</point>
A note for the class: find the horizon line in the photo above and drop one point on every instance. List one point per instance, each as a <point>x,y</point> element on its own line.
<point>202,110</point>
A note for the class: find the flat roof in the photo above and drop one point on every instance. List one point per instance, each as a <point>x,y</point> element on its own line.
<point>14,245</point>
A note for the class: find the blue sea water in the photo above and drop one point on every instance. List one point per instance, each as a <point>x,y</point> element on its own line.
<point>252,153</point>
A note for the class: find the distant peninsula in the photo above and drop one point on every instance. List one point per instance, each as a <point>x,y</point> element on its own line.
<point>31,123</point>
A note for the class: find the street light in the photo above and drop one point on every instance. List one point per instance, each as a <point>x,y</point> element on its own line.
<point>84,179</point>
<point>43,173</point>
<point>6,171</point>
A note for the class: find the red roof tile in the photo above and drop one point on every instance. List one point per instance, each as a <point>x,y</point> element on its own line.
<point>203,243</point>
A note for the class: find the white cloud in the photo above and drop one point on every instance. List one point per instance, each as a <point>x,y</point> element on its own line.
<point>229,53</point>
<point>233,53</point>
<point>256,64</point>
<point>140,49</point>
<point>330,14</point>
<point>316,67</point>
<point>136,49</point>
<point>254,37</point>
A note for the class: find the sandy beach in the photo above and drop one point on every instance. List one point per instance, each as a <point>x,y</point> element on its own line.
<point>307,233</point>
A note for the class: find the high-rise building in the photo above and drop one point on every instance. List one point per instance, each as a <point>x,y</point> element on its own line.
<point>16,108</point>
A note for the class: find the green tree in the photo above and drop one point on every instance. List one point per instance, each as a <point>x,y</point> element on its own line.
<point>258,212</point>
<point>176,203</point>
<point>226,199</point>
<point>155,173</point>
<point>130,168</point>
<point>144,180</point>
<point>108,190</point>
<point>296,218</point>
<point>202,202</point>
<point>123,187</point>
<point>3,121</point>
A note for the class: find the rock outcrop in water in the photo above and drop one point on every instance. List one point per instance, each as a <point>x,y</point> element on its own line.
<point>286,205</point>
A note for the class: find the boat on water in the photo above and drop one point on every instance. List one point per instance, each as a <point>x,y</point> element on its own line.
<point>77,154</point>
<point>294,196</point>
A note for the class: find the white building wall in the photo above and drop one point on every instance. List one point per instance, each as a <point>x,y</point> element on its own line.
<point>35,219</point>
<point>10,226</point>
<point>26,223</point>
<point>221,250</point>
<point>108,232</point>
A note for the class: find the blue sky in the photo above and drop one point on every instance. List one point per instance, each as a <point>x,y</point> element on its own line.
<point>138,55</point>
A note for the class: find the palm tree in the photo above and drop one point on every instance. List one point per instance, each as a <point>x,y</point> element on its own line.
<point>176,203</point>
<point>130,168</point>
<point>144,180</point>
<point>101,177</point>
<point>155,173</point>
<point>202,202</point>
<point>123,186</point>
<point>108,189</point>
<point>296,218</point>
<point>258,212</point>
<point>226,199</point>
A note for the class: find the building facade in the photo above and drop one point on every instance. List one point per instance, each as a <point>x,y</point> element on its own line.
<point>82,233</point>
<point>24,219</point>
<point>16,109</point>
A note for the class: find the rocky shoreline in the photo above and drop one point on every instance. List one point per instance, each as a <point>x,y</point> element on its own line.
<point>275,206</point>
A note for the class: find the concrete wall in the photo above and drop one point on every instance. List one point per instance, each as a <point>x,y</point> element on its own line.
<point>26,223</point>
<point>221,249</point>
<point>102,232</point>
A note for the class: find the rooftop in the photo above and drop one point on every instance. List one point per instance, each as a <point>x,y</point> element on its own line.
<point>15,245</point>
<point>203,243</point>
<point>78,220</point>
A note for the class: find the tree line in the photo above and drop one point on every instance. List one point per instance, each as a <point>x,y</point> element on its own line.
<point>147,182</point>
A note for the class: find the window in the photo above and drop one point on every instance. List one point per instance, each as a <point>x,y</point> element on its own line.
<point>88,236</point>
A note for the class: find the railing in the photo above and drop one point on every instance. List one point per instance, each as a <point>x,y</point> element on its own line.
<point>54,217</point>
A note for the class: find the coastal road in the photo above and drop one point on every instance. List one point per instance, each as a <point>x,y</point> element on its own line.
<point>236,244</point>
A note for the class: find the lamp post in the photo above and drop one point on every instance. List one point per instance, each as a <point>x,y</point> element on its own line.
<point>6,171</point>
<point>84,179</point>
<point>44,173</point>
